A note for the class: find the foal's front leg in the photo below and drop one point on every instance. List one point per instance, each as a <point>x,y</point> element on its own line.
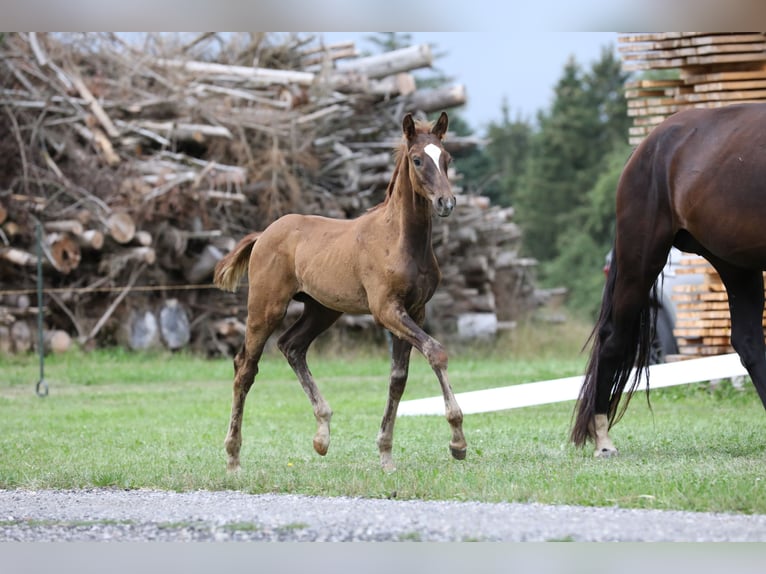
<point>400,364</point>
<point>396,320</point>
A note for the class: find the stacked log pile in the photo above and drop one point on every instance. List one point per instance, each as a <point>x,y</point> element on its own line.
<point>143,166</point>
<point>482,274</point>
<point>708,70</point>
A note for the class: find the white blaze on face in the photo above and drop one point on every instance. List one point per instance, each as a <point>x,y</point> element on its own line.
<point>434,153</point>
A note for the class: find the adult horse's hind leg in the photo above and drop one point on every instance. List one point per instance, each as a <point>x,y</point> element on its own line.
<point>622,342</point>
<point>400,364</point>
<point>745,292</point>
<point>294,344</point>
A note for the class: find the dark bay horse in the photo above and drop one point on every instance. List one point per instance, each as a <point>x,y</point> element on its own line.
<point>381,263</point>
<point>698,182</point>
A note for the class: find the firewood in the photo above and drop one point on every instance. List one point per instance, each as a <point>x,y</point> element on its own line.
<point>21,337</point>
<point>438,99</point>
<point>230,327</point>
<point>20,301</point>
<point>91,239</point>
<point>185,131</point>
<point>66,225</point>
<point>202,268</point>
<point>6,343</point>
<point>63,251</point>
<point>174,325</point>
<point>141,331</point>
<point>11,229</point>
<point>113,264</point>
<point>393,62</point>
<point>57,341</point>
<point>142,238</point>
<point>260,76</point>
<point>18,257</point>
<point>95,107</point>
<point>121,227</point>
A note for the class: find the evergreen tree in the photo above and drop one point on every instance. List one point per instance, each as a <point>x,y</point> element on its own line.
<point>585,125</point>
<point>560,153</point>
<point>506,156</point>
<point>582,249</point>
<point>495,168</point>
<point>390,41</point>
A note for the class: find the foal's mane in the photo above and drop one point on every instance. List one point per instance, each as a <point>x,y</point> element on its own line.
<point>400,152</point>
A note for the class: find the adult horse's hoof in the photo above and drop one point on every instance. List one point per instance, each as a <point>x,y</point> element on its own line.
<point>605,452</point>
<point>458,453</point>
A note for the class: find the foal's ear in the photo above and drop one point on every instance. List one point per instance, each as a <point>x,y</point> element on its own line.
<point>408,127</point>
<point>440,127</point>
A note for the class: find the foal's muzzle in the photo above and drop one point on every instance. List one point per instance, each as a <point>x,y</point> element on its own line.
<point>444,206</point>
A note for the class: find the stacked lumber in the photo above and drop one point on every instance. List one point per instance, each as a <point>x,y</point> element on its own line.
<point>703,322</point>
<point>714,69</point>
<point>142,166</point>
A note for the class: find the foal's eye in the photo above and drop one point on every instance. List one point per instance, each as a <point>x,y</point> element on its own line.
<point>417,161</point>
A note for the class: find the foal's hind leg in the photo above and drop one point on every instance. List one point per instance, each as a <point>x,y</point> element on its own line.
<point>395,319</point>
<point>400,364</point>
<point>294,344</point>
<point>260,325</point>
<point>745,291</point>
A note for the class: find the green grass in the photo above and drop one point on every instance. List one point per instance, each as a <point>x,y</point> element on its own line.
<point>116,419</point>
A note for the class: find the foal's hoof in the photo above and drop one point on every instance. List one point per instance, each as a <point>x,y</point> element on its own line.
<point>605,452</point>
<point>458,453</point>
<point>233,467</point>
<point>321,446</point>
<point>387,464</point>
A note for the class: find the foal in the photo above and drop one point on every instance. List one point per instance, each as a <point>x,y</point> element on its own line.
<point>381,263</point>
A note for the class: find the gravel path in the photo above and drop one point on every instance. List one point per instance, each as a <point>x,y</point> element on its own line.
<point>138,515</point>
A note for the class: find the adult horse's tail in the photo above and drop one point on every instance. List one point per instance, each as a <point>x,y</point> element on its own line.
<point>230,269</point>
<point>628,349</point>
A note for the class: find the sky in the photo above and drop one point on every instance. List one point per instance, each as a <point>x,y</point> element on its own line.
<point>521,66</point>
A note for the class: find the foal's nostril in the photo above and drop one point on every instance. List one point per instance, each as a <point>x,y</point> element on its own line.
<point>444,206</point>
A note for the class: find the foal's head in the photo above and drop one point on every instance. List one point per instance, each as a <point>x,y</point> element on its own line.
<point>428,161</point>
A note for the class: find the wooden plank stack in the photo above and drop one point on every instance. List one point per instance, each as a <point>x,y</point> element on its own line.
<point>703,323</point>
<point>685,70</point>
<point>714,69</point>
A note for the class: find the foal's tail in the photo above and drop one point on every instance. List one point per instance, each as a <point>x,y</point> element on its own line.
<point>634,351</point>
<point>230,269</point>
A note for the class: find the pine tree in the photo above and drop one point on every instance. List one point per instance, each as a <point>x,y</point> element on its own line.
<point>559,156</point>
<point>587,122</point>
